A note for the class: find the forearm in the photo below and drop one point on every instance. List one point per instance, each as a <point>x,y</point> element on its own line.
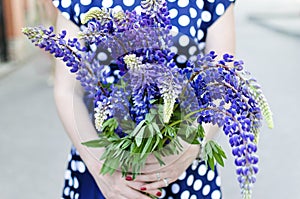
<point>69,101</point>
<point>76,122</point>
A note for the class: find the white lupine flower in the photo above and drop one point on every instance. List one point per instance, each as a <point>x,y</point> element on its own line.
<point>132,61</point>
<point>170,92</point>
<point>101,114</point>
<point>119,15</point>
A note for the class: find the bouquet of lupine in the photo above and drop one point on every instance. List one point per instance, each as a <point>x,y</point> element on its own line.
<point>154,104</point>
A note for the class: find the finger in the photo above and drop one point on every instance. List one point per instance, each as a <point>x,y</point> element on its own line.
<point>139,187</point>
<point>151,177</point>
<point>157,184</point>
<point>131,193</point>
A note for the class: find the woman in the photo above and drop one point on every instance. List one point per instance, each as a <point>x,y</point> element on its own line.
<point>211,25</point>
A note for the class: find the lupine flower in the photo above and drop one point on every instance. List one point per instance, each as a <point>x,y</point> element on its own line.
<point>207,90</point>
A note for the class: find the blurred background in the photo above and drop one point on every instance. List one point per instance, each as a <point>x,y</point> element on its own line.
<point>34,146</point>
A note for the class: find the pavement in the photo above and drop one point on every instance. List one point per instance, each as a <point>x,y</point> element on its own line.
<point>34,146</point>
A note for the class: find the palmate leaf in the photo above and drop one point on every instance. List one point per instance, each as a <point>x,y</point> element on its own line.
<point>213,152</point>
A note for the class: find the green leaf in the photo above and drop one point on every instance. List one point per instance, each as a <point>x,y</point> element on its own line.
<point>158,157</point>
<point>158,139</point>
<point>153,101</point>
<point>139,137</point>
<point>96,143</point>
<point>156,127</point>
<point>211,163</point>
<point>126,144</point>
<point>137,128</point>
<point>147,146</point>
<point>219,159</point>
<point>200,131</point>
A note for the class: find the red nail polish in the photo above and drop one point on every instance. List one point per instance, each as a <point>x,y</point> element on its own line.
<point>158,194</point>
<point>128,178</point>
<point>143,188</point>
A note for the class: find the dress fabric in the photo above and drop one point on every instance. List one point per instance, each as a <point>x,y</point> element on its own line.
<point>190,20</point>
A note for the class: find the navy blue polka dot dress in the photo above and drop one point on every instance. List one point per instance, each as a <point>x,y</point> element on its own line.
<point>190,20</point>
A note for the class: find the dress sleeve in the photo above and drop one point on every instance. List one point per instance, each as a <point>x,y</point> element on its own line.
<point>212,11</point>
<point>69,9</point>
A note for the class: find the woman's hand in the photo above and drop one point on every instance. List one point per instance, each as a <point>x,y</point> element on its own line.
<point>155,176</point>
<point>117,187</point>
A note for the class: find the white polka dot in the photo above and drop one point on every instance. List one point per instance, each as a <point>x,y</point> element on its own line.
<point>67,174</point>
<point>200,34</point>
<point>170,197</point>
<point>184,40</point>
<point>107,3</point>
<point>110,80</point>
<point>163,193</point>
<point>66,3</point>
<point>197,185</point>
<point>218,181</point>
<point>190,180</point>
<point>183,20</point>
<point>182,176</point>
<point>192,50</point>
<point>76,196</point>
<point>117,72</point>
<point>77,9</point>
<point>67,191</point>
<point>138,9</point>
<point>76,183</point>
<point>206,16</point>
<point>102,56</point>
<point>202,170</point>
<point>73,165</point>
<point>216,194</point>
<point>173,13</point>
<point>193,58</point>
<point>185,194</point>
<point>192,31</point>
<point>220,9</point>
<point>201,45</point>
<point>211,1</point>
<point>55,3</point>
<point>128,2</point>
<point>171,0</point>
<point>194,167</point>
<point>200,3</point>
<point>199,21</point>
<point>193,197</point>
<point>85,2</point>
<point>206,190</point>
<point>72,194</point>
<point>69,157</point>
<point>193,12</point>
<point>183,3</point>
<point>76,19</point>
<point>175,188</point>
<point>93,47</point>
<point>174,31</point>
<point>210,175</point>
<point>70,182</point>
<point>174,49</point>
<point>66,15</point>
<point>117,8</point>
<point>181,59</point>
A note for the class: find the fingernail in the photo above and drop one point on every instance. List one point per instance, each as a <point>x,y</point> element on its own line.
<point>143,188</point>
<point>128,178</point>
<point>158,194</point>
